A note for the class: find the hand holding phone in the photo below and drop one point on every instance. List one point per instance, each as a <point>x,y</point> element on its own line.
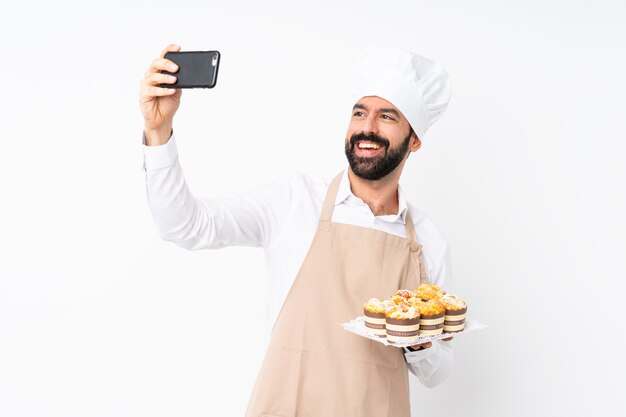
<point>158,104</point>
<point>196,69</point>
<point>161,86</point>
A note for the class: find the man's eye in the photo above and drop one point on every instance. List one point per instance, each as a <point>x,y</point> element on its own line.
<point>358,113</point>
<point>387,117</point>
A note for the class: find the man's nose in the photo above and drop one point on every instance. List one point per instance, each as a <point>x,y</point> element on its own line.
<point>370,125</point>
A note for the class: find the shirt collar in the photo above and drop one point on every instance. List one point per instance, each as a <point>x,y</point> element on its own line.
<point>345,196</point>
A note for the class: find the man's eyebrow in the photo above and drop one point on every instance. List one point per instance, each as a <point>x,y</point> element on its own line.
<point>392,111</point>
<point>383,110</point>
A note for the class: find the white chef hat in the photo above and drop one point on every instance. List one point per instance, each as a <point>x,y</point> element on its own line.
<point>417,86</point>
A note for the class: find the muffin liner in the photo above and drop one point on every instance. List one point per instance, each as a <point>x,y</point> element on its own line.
<point>357,326</point>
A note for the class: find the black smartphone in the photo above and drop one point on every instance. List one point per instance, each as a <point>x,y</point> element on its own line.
<point>196,69</point>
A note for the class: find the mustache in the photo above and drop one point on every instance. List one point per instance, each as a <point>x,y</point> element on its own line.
<point>372,137</point>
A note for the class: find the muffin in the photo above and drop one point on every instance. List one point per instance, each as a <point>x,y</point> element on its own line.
<point>432,316</point>
<point>374,315</point>
<point>428,292</point>
<point>402,323</point>
<point>398,300</point>
<point>456,310</point>
<point>413,301</point>
<point>406,294</point>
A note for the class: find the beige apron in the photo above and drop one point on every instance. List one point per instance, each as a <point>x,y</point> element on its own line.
<point>315,368</point>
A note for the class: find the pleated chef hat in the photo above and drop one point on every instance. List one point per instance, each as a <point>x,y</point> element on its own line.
<point>417,86</point>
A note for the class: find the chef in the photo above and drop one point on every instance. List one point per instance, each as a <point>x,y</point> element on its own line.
<point>330,245</point>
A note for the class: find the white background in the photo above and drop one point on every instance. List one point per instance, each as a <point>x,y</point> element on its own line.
<point>524,174</point>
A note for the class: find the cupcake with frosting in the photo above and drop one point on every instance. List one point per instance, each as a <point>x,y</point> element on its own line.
<point>402,323</point>
<point>432,316</point>
<point>374,316</point>
<point>456,310</point>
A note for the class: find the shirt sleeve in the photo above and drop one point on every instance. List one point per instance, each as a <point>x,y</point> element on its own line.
<point>434,365</point>
<point>246,219</point>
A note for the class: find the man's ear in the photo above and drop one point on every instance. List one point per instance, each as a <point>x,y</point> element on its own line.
<point>416,143</point>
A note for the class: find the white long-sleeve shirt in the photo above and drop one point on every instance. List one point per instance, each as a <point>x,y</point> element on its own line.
<point>281,218</point>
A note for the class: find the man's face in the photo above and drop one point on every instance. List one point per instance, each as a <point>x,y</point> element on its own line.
<point>379,138</point>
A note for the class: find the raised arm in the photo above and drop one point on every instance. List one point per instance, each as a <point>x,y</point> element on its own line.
<point>243,219</point>
<point>246,219</point>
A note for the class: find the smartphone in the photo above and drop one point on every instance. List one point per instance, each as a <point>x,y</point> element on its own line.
<point>196,69</point>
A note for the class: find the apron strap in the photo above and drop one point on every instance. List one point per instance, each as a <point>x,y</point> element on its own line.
<point>331,196</point>
<point>412,236</point>
<point>329,206</point>
<point>410,226</point>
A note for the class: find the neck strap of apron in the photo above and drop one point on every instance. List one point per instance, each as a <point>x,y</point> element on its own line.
<point>329,206</point>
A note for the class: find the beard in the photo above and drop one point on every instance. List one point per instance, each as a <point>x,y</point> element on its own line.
<point>377,167</point>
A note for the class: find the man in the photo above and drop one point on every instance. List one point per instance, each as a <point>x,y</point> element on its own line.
<point>330,246</point>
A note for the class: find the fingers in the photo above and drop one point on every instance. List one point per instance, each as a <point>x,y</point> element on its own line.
<point>422,346</point>
<point>170,48</point>
<point>150,85</point>
<point>153,78</point>
<point>161,64</point>
<point>159,78</point>
<point>157,92</point>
